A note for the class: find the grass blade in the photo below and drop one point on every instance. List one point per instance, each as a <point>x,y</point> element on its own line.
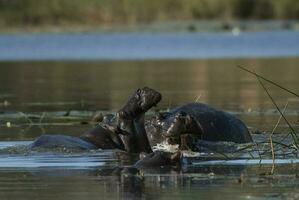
<point>269,81</point>
<point>293,133</point>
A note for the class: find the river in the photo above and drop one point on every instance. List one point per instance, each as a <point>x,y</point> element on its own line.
<point>55,83</point>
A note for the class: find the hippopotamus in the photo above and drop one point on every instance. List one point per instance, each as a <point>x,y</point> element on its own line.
<point>129,131</point>
<point>199,120</point>
<point>127,134</point>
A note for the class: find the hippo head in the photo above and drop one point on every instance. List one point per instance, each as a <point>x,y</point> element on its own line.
<point>183,123</point>
<point>141,101</point>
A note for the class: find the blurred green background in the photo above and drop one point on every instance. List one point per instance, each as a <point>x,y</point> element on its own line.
<point>61,13</point>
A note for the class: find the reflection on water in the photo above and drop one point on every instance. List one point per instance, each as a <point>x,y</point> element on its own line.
<point>36,97</point>
<point>90,86</point>
<point>234,182</point>
<point>38,86</point>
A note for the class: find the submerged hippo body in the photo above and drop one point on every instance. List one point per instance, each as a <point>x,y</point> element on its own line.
<point>100,137</point>
<point>197,119</point>
<point>61,141</point>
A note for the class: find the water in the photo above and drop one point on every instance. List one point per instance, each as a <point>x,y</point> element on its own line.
<point>140,46</point>
<point>60,97</point>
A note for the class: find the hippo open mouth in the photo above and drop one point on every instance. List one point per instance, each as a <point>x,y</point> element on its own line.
<point>142,100</point>
<point>130,119</point>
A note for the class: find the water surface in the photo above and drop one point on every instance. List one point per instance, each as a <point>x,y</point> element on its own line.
<point>58,97</point>
<point>144,46</point>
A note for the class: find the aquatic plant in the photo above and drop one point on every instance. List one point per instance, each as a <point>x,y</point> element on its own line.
<point>282,116</point>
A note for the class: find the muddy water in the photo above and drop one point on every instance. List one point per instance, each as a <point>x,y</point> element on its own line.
<point>56,97</point>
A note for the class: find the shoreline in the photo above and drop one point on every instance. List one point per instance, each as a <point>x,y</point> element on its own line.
<point>157,27</point>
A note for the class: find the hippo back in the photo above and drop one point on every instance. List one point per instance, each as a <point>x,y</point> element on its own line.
<point>217,125</point>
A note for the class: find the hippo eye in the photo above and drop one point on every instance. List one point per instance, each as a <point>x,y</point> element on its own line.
<point>182,113</point>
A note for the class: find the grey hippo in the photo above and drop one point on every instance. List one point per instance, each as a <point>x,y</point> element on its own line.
<point>129,131</point>
<point>198,120</point>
